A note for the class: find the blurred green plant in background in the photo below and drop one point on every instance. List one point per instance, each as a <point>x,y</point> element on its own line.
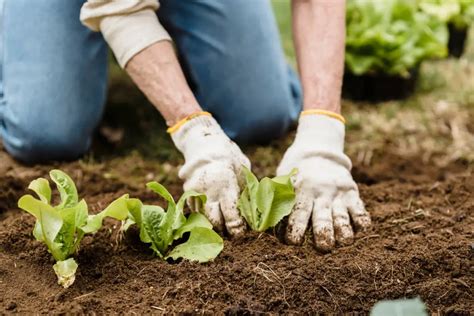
<point>458,12</point>
<point>282,9</point>
<point>391,37</point>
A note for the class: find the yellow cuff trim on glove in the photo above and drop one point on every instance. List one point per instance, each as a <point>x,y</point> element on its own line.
<point>324,112</point>
<point>176,126</point>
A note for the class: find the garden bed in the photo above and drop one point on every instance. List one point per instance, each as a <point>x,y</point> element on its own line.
<point>420,244</point>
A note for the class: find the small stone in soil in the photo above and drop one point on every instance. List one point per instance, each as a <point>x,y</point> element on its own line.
<point>11,306</point>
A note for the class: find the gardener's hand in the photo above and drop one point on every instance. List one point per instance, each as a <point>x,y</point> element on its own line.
<point>325,190</point>
<point>212,166</point>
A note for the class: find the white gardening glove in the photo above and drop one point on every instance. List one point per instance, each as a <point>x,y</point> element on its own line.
<point>212,166</point>
<point>325,190</point>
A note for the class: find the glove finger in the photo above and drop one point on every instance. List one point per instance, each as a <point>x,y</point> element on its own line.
<point>360,216</point>
<point>213,214</point>
<point>241,159</point>
<point>323,228</point>
<point>299,218</point>
<point>233,221</point>
<point>194,204</point>
<point>342,223</point>
<point>244,162</point>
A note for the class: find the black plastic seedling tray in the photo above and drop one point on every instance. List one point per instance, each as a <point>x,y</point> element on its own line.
<point>457,41</point>
<point>379,87</point>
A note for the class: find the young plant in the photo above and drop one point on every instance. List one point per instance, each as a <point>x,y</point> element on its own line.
<point>264,204</point>
<point>63,226</point>
<point>162,228</point>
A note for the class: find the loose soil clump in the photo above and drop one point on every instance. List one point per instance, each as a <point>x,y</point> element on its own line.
<point>420,244</point>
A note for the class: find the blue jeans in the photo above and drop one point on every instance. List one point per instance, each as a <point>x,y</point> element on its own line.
<point>53,72</point>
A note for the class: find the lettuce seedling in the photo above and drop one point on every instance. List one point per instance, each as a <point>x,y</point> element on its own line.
<point>162,228</point>
<point>63,226</point>
<point>264,204</point>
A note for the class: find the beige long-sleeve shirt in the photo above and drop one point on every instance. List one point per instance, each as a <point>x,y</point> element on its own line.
<point>128,26</point>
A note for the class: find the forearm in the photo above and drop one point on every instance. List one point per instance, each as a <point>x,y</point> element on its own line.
<point>142,46</point>
<point>158,74</point>
<point>319,36</point>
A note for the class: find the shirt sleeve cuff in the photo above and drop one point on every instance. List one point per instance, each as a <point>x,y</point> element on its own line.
<point>131,33</point>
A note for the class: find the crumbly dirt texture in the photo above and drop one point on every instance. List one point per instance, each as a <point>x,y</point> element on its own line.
<point>420,244</point>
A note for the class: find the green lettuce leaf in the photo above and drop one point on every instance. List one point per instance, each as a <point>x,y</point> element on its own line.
<point>148,219</point>
<point>275,200</point>
<point>49,223</point>
<point>41,187</point>
<point>66,187</point>
<point>161,191</point>
<point>118,209</point>
<point>172,219</point>
<point>247,203</point>
<point>152,218</point>
<point>194,220</point>
<point>264,204</point>
<point>203,245</point>
<point>73,218</point>
<point>164,230</point>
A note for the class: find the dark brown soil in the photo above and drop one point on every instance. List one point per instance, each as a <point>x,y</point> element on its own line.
<point>421,244</point>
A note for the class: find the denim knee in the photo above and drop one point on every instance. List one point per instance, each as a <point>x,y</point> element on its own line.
<point>269,118</point>
<point>53,80</point>
<point>45,140</point>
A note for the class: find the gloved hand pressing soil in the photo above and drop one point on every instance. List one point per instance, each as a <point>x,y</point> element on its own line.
<point>325,190</point>
<point>213,165</point>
